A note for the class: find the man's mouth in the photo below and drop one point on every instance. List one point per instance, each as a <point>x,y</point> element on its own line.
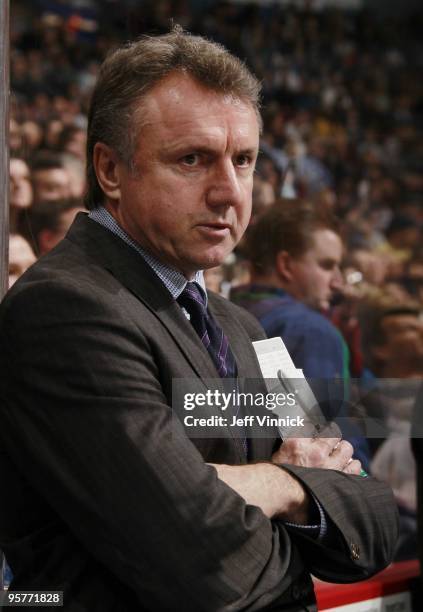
<point>215,229</point>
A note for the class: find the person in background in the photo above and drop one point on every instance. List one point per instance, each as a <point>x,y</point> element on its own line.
<point>46,224</point>
<point>76,170</point>
<point>402,236</point>
<point>32,134</point>
<point>295,254</point>
<point>21,257</point>
<point>73,140</point>
<point>21,194</point>
<point>214,277</point>
<point>393,337</point>
<point>15,139</point>
<point>50,179</point>
<point>263,196</point>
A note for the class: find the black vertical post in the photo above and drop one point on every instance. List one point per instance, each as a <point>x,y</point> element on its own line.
<point>4,144</point>
<point>4,167</point>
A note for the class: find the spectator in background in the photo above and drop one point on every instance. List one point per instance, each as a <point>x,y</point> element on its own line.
<point>295,256</point>
<point>393,336</point>
<point>263,196</point>
<point>365,272</point>
<point>47,223</point>
<point>20,190</point>
<point>73,139</point>
<point>414,276</point>
<point>76,170</point>
<point>33,134</point>
<point>371,266</point>
<point>214,277</point>
<point>50,179</point>
<point>15,138</point>
<point>21,256</point>
<point>403,235</point>
<point>52,132</point>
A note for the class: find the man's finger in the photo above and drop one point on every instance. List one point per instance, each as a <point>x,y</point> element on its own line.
<point>354,467</point>
<point>340,456</point>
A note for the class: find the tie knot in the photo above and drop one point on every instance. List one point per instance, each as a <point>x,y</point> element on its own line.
<point>192,298</point>
<point>211,334</point>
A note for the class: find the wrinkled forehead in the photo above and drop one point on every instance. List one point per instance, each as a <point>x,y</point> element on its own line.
<point>179,93</point>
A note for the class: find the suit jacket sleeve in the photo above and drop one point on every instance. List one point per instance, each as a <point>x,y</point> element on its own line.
<point>355,508</point>
<point>84,415</point>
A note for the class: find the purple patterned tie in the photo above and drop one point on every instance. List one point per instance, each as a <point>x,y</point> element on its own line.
<point>211,335</point>
<point>213,338</point>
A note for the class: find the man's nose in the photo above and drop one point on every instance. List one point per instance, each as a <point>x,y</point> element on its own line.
<point>225,189</point>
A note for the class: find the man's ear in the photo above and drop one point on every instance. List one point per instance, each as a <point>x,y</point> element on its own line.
<point>283,265</point>
<point>106,168</point>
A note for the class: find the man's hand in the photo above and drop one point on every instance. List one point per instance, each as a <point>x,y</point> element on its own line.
<point>275,491</point>
<point>326,451</point>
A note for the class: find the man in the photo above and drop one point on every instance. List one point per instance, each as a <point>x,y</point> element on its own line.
<point>50,178</point>
<point>46,223</point>
<point>127,512</point>
<point>391,329</point>
<point>295,253</point>
<point>393,335</point>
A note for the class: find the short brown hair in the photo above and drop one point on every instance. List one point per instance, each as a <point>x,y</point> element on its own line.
<point>130,72</point>
<point>288,225</point>
<point>372,312</point>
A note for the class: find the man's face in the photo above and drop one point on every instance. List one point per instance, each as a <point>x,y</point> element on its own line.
<point>48,238</point>
<point>403,336</point>
<point>51,184</point>
<point>189,199</point>
<point>316,275</point>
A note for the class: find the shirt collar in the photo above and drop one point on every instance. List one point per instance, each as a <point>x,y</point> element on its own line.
<point>174,281</point>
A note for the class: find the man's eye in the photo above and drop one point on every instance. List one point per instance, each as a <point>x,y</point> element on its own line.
<point>191,160</point>
<point>243,161</point>
<point>329,266</point>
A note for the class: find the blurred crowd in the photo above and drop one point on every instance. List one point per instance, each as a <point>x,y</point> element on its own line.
<point>343,122</point>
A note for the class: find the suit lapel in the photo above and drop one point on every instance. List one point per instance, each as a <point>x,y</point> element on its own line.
<point>125,264</point>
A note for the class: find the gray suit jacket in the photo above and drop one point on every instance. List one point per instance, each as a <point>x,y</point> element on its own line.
<point>107,499</point>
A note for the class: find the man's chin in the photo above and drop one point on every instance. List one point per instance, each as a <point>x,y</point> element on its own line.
<point>215,258</point>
